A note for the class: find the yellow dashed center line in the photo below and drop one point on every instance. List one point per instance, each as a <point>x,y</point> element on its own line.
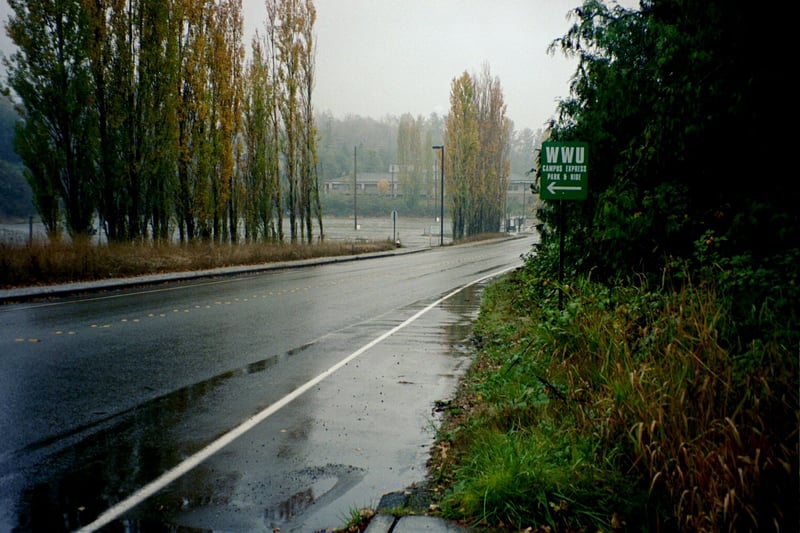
<point>269,294</point>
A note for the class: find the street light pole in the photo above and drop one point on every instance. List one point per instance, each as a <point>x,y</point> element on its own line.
<point>355,190</point>
<point>505,209</point>
<point>441,195</point>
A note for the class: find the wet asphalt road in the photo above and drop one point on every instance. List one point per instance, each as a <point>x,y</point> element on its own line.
<point>103,393</point>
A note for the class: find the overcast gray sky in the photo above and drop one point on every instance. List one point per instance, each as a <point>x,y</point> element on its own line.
<point>378,57</point>
<point>389,57</point>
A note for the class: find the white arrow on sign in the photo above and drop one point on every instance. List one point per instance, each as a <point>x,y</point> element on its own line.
<point>552,187</point>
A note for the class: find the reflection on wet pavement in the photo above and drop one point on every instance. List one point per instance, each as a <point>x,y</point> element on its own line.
<point>68,479</point>
<point>322,481</point>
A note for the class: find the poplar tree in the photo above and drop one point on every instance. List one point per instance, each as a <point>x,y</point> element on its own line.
<point>259,184</point>
<point>49,72</point>
<point>290,30</point>
<point>462,140</point>
<point>193,112</point>
<point>224,79</point>
<point>134,112</point>
<point>103,16</point>
<point>133,53</point>
<point>277,138</point>
<point>405,157</point>
<point>33,144</point>
<point>217,177</point>
<point>494,167</point>
<point>309,183</point>
<point>156,130</point>
<point>477,136</point>
<point>284,29</point>
<point>235,48</point>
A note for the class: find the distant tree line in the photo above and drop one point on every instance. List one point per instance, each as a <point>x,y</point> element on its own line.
<point>374,139</point>
<point>147,116</point>
<point>405,144</point>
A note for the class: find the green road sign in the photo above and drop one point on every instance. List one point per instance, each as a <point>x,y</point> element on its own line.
<point>564,170</point>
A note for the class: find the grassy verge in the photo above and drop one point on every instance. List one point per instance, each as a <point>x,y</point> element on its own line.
<point>44,263</point>
<point>628,410</point>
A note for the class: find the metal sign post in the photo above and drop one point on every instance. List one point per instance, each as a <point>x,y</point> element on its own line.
<point>564,171</point>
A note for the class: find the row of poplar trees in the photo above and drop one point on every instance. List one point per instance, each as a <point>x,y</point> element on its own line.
<point>477,166</point>
<point>149,118</point>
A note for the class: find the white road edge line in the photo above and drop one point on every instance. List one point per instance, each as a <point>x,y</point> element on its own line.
<point>117,510</point>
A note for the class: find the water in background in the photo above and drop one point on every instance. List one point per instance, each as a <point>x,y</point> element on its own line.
<point>410,232</point>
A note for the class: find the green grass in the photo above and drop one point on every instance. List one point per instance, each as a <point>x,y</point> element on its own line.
<point>628,409</point>
<point>356,519</point>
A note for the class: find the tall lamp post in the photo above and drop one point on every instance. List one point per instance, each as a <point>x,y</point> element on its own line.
<point>355,190</point>
<point>440,147</point>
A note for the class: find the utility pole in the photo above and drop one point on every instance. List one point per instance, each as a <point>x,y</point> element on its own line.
<point>392,169</point>
<point>441,200</point>
<point>355,190</point>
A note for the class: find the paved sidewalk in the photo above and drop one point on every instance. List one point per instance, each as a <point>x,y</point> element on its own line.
<point>384,523</point>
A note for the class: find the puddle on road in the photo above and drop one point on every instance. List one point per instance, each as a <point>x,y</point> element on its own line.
<point>465,305</point>
<point>324,483</point>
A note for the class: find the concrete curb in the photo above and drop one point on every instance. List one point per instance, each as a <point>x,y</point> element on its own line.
<point>383,522</point>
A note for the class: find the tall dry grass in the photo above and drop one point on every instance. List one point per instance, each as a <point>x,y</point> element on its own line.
<point>712,425</point>
<point>42,263</point>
